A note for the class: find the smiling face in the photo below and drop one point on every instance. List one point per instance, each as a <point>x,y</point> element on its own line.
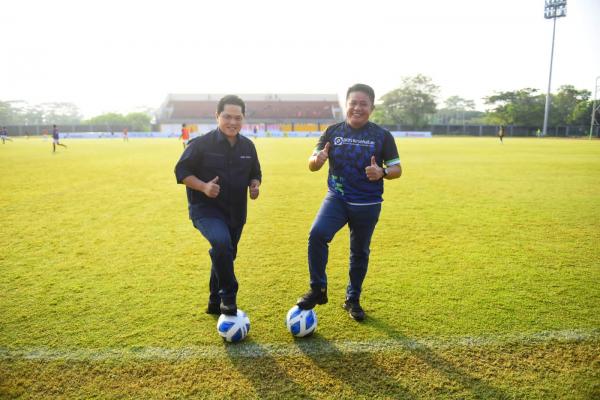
<point>358,109</point>
<point>230,120</point>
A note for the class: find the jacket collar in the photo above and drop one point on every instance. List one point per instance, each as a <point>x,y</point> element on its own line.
<point>222,138</point>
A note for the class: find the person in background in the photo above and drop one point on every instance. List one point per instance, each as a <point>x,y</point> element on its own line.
<point>4,135</point>
<point>56,139</point>
<point>185,135</point>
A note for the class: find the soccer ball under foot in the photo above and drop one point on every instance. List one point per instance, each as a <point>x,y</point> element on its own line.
<point>233,328</point>
<point>301,322</point>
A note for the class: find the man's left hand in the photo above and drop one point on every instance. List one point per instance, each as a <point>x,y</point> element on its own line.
<point>374,171</point>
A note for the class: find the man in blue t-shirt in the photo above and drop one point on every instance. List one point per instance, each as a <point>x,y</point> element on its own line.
<point>357,150</point>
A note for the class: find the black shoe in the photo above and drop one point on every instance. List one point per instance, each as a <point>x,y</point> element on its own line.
<point>228,309</point>
<point>213,308</point>
<point>311,298</point>
<point>354,309</point>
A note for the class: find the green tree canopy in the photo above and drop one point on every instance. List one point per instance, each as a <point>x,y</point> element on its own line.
<point>412,103</point>
<point>23,113</point>
<point>457,110</point>
<point>60,113</point>
<point>568,104</point>
<point>6,113</point>
<point>137,121</point>
<point>520,107</point>
<point>108,119</point>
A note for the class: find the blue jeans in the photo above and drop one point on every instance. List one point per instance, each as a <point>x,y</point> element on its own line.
<point>223,241</point>
<point>333,215</point>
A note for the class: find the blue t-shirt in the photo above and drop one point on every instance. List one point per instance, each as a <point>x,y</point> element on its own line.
<point>350,152</point>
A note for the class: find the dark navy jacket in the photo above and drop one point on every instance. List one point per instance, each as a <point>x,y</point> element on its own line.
<point>209,156</point>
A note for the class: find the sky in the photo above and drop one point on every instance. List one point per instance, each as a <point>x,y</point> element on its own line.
<point>126,55</point>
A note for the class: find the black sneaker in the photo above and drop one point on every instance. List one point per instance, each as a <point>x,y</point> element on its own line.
<point>354,309</point>
<point>228,309</point>
<point>311,298</point>
<point>213,308</point>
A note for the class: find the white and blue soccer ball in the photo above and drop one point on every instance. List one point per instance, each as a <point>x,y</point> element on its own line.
<point>233,328</point>
<point>301,322</point>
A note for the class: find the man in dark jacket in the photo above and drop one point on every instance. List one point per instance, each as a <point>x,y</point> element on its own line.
<point>218,169</point>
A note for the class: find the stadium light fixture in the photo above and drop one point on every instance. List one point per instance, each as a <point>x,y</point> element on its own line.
<point>595,108</point>
<point>553,9</point>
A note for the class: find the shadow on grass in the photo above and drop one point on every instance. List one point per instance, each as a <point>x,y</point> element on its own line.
<point>357,370</point>
<point>269,380</point>
<point>479,388</point>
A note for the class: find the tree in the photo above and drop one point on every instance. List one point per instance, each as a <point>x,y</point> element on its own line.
<point>108,120</point>
<point>60,113</point>
<point>413,103</point>
<point>26,114</point>
<point>521,107</point>
<point>379,116</point>
<point>457,110</point>
<point>568,104</point>
<point>139,121</point>
<point>136,121</point>
<point>582,113</point>
<point>22,113</point>
<point>7,114</point>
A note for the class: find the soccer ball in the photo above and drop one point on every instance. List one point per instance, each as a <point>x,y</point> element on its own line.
<point>233,328</point>
<point>301,322</point>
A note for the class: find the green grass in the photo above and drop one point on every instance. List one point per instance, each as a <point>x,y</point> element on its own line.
<point>477,240</point>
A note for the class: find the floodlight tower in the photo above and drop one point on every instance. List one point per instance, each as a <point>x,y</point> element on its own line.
<point>595,108</point>
<point>553,9</point>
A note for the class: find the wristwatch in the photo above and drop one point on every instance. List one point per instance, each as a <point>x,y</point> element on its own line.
<point>384,173</point>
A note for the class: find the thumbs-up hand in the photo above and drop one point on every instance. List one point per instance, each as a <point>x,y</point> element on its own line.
<point>254,185</point>
<point>323,155</point>
<point>212,189</point>
<point>374,171</point>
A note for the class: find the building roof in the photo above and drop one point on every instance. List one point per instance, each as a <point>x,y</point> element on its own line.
<point>259,107</point>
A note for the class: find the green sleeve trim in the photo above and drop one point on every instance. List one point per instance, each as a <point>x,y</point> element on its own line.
<point>395,161</point>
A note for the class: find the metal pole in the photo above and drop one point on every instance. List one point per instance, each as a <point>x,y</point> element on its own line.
<point>547,108</point>
<point>594,108</point>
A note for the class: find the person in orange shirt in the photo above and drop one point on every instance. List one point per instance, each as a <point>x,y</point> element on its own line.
<point>125,135</point>
<point>185,135</point>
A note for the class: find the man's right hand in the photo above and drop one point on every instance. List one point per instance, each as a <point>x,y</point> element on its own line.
<point>323,155</point>
<point>211,188</point>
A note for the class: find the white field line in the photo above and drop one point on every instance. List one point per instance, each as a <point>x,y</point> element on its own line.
<point>298,348</point>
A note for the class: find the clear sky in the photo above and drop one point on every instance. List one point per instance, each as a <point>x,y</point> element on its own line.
<point>118,55</point>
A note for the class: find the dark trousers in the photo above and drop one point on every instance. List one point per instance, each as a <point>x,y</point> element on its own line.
<point>223,240</point>
<point>333,215</point>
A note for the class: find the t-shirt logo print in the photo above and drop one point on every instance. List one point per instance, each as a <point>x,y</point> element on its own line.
<point>338,141</point>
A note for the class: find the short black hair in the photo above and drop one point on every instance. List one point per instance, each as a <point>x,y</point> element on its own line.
<point>361,87</point>
<point>233,100</point>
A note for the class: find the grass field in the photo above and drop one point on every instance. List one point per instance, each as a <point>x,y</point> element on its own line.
<point>484,277</point>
